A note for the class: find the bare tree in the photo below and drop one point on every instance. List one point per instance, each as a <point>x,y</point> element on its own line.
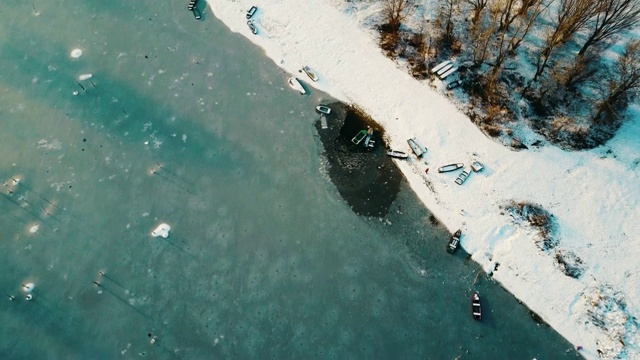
<point>481,33</point>
<point>625,83</point>
<point>478,6</point>
<point>445,21</point>
<point>525,5</point>
<point>578,70</point>
<point>394,13</point>
<point>572,16</point>
<point>528,18</point>
<point>615,17</point>
<point>508,13</point>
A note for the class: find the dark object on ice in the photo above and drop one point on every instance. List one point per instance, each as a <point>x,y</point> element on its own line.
<point>197,14</point>
<point>253,28</point>
<point>450,167</point>
<point>251,11</point>
<point>476,309</point>
<point>454,242</point>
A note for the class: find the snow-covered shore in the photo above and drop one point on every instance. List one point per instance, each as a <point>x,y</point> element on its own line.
<point>593,195</point>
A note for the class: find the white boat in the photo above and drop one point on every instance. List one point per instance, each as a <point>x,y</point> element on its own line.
<point>450,167</point>
<point>296,85</point>
<point>310,73</point>
<point>444,69</point>
<point>440,66</point>
<point>417,149</point>
<point>448,72</point>
<point>397,154</point>
<point>323,109</point>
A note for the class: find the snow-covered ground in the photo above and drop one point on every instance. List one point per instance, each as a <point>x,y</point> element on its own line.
<point>594,196</point>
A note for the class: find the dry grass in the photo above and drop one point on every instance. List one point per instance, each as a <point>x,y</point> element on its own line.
<point>539,219</point>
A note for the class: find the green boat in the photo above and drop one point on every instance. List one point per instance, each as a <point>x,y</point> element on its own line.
<point>359,137</point>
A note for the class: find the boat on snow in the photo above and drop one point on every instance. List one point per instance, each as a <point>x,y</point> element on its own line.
<point>463,176</point>
<point>417,149</point>
<point>397,154</point>
<point>477,166</point>
<point>252,27</point>
<point>296,85</point>
<point>476,308</point>
<point>450,167</point>
<point>310,73</point>
<point>251,12</point>
<point>454,242</point>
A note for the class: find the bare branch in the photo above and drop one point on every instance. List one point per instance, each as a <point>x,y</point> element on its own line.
<point>615,17</point>
<point>572,16</point>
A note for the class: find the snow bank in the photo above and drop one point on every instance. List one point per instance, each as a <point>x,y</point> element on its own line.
<point>593,195</point>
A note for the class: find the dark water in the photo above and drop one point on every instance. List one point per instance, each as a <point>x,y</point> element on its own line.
<point>186,123</point>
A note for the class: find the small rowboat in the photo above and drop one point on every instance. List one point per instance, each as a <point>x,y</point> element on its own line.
<point>296,85</point>
<point>450,167</point>
<point>252,27</point>
<point>476,309</point>
<point>477,166</point>
<point>196,13</point>
<point>463,176</point>
<point>310,73</point>
<point>251,12</point>
<point>397,154</point>
<point>323,109</point>
<point>454,242</point>
<point>417,149</point>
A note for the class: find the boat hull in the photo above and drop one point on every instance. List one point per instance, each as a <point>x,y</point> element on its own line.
<point>310,73</point>
<point>397,154</point>
<point>296,85</point>
<point>323,109</point>
<point>476,307</point>
<point>454,242</point>
<point>359,137</point>
<point>462,177</point>
<point>415,147</point>
<point>450,167</point>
